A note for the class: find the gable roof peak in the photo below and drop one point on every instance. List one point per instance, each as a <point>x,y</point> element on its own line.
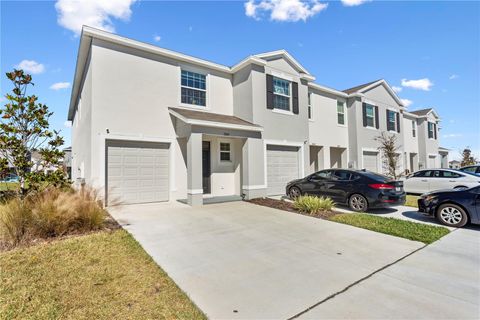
<point>287,56</point>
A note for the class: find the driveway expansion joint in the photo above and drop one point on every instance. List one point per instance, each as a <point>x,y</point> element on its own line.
<point>356,283</point>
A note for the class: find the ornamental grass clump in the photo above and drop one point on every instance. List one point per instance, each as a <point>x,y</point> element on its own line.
<point>50,213</point>
<point>312,205</point>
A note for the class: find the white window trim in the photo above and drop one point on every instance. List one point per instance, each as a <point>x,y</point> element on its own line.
<point>433,131</point>
<point>344,114</point>
<point>395,121</point>
<point>366,115</point>
<point>220,152</point>
<point>281,111</point>
<point>290,98</point>
<point>207,91</point>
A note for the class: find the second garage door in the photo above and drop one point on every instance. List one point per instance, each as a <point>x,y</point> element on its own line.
<point>370,161</point>
<point>137,172</point>
<point>282,167</point>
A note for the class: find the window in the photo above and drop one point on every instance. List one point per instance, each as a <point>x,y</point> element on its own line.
<point>470,169</point>
<point>342,175</point>
<point>225,151</point>
<point>281,94</point>
<point>414,129</point>
<point>391,120</point>
<point>370,115</point>
<point>310,106</point>
<point>449,174</point>
<point>194,88</point>
<point>340,112</point>
<point>425,173</point>
<point>321,175</point>
<point>431,130</point>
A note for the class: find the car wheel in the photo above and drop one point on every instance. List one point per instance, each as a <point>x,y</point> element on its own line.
<point>452,215</point>
<point>358,203</point>
<point>294,193</point>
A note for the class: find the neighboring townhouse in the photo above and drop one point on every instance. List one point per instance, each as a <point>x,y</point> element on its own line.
<point>454,164</point>
<point>150,124</point>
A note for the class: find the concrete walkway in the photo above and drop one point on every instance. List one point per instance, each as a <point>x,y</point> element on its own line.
<point>441,281</point>
<point>243,261</point>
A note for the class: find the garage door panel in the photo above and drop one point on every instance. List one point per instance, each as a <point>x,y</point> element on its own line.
<point>282,167</point>
<point>137,172</point>
<point>370,161</point>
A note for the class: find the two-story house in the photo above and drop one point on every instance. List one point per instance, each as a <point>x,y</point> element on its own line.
<point>150,124</point>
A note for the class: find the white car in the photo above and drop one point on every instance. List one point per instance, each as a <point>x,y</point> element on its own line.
<point>437,179</point>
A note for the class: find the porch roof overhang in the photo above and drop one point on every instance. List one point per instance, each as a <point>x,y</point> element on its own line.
<point>213,120</point>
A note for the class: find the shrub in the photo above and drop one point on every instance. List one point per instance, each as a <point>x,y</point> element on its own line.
<point>312,205</point>
<point>50,213</point>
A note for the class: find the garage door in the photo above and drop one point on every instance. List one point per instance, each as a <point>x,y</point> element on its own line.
<point>137,172</point>
<point>370,161</point>
<point>431,162</point>
<point>282,167</point>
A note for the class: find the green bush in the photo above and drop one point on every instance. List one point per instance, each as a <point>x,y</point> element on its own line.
<point>313,205</point>
<point>50,213</point>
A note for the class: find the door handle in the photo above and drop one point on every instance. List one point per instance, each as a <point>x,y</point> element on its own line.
<point>452,181</point>
<point>424,180</point>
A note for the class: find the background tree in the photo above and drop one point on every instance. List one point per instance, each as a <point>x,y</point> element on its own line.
<point>467,158</point>
<point>24,129</point>
<point>390,155</point>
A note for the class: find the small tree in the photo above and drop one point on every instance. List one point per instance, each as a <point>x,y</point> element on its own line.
<point>390,155</point>
<point>24,128</point>
<point>467,158</point>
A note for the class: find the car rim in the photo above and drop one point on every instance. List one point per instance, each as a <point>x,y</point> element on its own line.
<point>451,215</point>
<point>358,203</point>
<point>294,192</point>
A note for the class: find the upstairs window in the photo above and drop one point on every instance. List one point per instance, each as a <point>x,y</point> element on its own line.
<point>370,115</point>
<point>432,134</point>
<point>414,129</point>
<point>194,88</point>
<point>340,112</point>
<point>281,94</point>
<point>310,116</point>
<point>391,120</point>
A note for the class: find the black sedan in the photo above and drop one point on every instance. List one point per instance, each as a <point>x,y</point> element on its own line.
<point>359,189</point>
<point>453,208</point>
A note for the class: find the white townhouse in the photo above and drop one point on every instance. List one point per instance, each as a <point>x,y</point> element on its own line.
<point>150,124</point>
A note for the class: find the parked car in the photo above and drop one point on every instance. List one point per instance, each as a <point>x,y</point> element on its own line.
<point>437,179</point>
<point>472,169</point>
<point>453,208</point>
<point>359,189</point>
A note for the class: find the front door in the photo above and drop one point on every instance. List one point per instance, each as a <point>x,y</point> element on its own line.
<point>206,169</point>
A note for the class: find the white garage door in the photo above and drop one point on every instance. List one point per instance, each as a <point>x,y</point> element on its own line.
<point>282,167</point>
<point>370,161</point>
<point>137,172</point>
<point>431,162</point>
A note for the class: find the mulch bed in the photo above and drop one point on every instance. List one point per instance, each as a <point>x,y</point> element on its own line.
<point>288,206</point>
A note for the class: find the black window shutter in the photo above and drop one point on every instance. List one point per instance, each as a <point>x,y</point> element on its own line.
<point>435,131</point>
<point>377,124</point>
<point>364,110</point>
<point>388,124</point>
<point>398,122</point>
<point>295,97</point>
<point>269,91</point>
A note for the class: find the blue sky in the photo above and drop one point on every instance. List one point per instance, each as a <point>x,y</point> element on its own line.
<point>434,47</point>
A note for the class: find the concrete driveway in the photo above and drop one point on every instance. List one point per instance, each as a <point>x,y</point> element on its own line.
<point>243,261</point>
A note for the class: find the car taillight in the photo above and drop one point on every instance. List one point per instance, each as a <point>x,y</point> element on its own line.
<point>381,186</point>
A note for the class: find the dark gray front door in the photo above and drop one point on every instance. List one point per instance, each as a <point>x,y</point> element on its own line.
<point>206,168</point>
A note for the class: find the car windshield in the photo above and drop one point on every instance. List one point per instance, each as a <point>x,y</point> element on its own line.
<point>467,172</point>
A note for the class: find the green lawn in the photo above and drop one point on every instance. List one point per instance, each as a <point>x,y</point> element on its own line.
<point>395,227</point>
<point>106,275</point>
<point>8,185</point>
<point>411,201</point>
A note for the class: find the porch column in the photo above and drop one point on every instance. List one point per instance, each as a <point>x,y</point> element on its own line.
<point>327,162</point>
<point>253,169</point>
<point>194,170</point>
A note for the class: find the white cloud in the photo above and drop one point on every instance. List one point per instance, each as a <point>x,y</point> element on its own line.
<point>397,89</point>
<point>452,135</point>
<point>284,10</point>
<point>60,85</point>
<point>453,77</point>
<point>31,66</point>
<point>67,124</point>
<point>353,3</point>
<point>157,38</point>
<point>421,84</point>
<point>72,14</point>
<point>406,102</point>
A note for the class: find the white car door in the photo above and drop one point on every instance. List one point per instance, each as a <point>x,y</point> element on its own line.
<point>439,180</point>
<point>418,182</point>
